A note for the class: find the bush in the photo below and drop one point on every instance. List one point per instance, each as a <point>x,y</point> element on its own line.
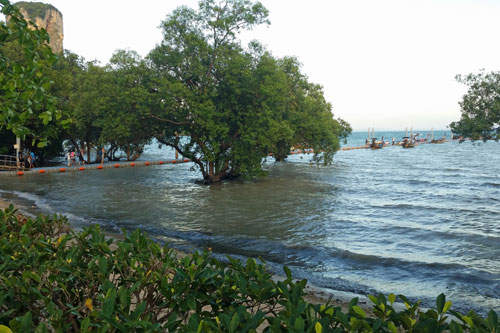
<point>54,279</point>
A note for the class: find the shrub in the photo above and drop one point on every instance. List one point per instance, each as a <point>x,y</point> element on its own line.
<point>54,279</point>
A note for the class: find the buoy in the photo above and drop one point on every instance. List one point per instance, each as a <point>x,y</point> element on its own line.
<point>41,171</point>
<point>62,169</point>
<point>117,165</point>
<point>186,160</point>
<point>20,173</point>
<point>82,168</point>
<point>132,164</point>
<point>99,167</point>
<point>174,161</point>
<point>161,162</point>
<point>147,163</point>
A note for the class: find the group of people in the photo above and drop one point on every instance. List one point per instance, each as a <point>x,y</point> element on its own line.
<point>76,157</point>
<point>27,158</point>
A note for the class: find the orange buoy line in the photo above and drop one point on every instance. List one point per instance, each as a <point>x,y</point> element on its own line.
<point>90,167</point>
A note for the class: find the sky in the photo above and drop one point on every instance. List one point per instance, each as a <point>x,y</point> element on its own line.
<point>387,64</point>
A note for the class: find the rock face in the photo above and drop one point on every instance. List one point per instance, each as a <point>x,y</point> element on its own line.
<point>47,17</point>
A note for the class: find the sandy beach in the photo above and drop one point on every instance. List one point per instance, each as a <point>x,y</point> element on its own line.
<point>3,204</point>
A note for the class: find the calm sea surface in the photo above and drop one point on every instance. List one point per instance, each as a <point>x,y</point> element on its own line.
<point>415,221</point>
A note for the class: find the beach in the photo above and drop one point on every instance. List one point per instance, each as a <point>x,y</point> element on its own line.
<point>315,295</point>
<point>3,204</point>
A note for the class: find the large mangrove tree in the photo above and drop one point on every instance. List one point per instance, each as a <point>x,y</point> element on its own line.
<point>226,106</point>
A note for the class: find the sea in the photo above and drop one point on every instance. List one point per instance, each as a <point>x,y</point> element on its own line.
<point>417,222</point>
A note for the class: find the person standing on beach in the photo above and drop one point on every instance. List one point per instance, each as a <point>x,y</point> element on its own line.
<point>103,152</point>
<point>29,159</point>
<point>80,157</point>
<point>68,156</point>
<point>33,159</point>
<point>73,157</point>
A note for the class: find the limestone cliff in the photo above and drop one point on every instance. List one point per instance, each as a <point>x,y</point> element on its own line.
<point>47,17</point>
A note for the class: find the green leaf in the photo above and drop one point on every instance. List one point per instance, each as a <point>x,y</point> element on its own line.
<point>447,306</point>
<point>5,329</point>
<point>392,327</point>
<point>392,298</point>
<point>26,322</point>
<point>468,320</point>
<point>373,299</point>
<point>359,311</point>
<point>84,326</point>
<point>234,322</point>
<point>318,328</point>
<point>440,300</point>
<point>299,324</point>
<point>377,324</point>
<point>288,272</point>
<point>492,321</point>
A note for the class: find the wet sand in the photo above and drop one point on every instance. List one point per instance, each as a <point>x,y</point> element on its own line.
<point>3,204</point>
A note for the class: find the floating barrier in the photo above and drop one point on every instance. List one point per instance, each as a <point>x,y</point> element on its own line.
<point>90,167</point>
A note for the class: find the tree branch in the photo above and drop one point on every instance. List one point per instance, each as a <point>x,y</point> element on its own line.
<point>169,121</point>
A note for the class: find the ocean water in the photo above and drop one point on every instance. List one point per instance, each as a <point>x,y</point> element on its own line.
<point>415,221</point>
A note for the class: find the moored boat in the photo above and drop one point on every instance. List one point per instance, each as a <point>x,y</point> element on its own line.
<point>407,142</point>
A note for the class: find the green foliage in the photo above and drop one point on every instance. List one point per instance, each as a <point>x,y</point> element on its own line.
<point>35,9</point>
<point>53,279</point>
<point>234,105</point>
<point>126,122</point>
<point>480,107</point>
<point>106,105</point>
<point>25,57</point>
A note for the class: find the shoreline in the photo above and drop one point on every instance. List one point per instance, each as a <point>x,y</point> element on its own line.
<point>314,294</point>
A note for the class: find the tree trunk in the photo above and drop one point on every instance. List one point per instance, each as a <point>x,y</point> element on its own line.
<point>88,152</point>
<point>211,169</point>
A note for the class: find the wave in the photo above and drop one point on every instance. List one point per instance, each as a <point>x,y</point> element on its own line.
<point>34,205</point>
<point>322,259</point>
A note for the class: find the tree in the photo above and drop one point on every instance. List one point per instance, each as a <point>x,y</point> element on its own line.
<point>126,122</point>
<point>480,107</point>
<point>88,104</point>
<point>25,103</point>
<point>309,116</point>
<point>232,105</point>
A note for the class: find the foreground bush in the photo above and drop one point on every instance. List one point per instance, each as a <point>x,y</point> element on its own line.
<point>55,280</point>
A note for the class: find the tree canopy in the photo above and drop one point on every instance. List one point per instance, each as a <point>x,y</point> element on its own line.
<point>480,107</point>
<point>234,105</point>
<point>25,57</point>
